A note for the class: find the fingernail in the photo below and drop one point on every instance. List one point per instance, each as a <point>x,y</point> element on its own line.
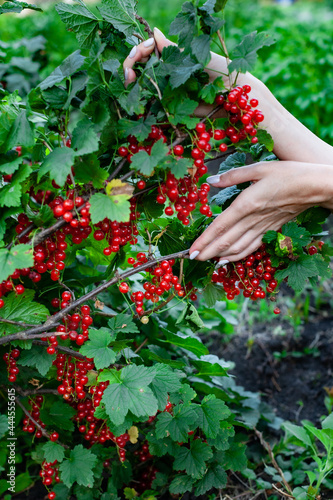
<point>159,32</point>
<point>149,42</point>
<point>222,263</point>
<point>133,52</point>
<point>213,179</point>
<point>126,73</point>
<point>194,254</point>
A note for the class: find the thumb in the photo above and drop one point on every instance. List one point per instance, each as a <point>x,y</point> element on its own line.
<point>161,40</point>
<point>248,173</point>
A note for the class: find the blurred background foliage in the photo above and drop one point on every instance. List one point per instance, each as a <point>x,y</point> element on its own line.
<point>298,68</point>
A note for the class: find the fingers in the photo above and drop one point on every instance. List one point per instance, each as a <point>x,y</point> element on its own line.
<point>139,53</point>
<point>248,173</point>
<point>248,246</point>
<point>161,40</point>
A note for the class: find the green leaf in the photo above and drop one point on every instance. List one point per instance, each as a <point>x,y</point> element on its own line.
<point>22,132</point>
<point>165,381</point>
<point>201,49</point>
<point>210,413</point>
<point>186,342</point>
<point>115,207</point>
<point>160,447</point>
<point>84,140</point>
<point>80,20</point>
<point>225,194</point>
<point>214,478</point>
<point>232,161</point>
<point>9,167</point>
<point>270,237</point>
<point>180,484</point>
<point>213,293</point>
<point>190,317</point>
<point>208,92</point>
<point>140,128</point>
<point>17,7</point>
<point>146,163</point>
<point>121,14</point>
<point>178,65</point>
<point>244,55</point>
<point>179,166</point>
<point>185,25</point>
<point>123,323</point>
<point>37,357</point>
<point>300,236</point>
<point>42,217</point>
<point>234,458</point>
<point>131,393</point>
<point>58,165</point>
<point>97,347</point>
<point>79,467</point>
<point>193,459</point>
<point>327,423</point>
<point>221,441</point>
<point>181,110</point>
<point>131,101</point>
<point>209,369</point>
<point>10,195</point>
<point>298,271</point>
<point>67,68</point>
<point>177,425</point>
<point>53,451</point>
<point>59,415</point>
<point>22,308</point>
<point>265,138</point>
<point>87,170</point>
<point>18,257</point>
<point>297,431</point>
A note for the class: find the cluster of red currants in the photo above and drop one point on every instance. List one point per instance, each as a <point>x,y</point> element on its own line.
<point>118,234</point>
<point>73,376</point>
<point>72,323</point>
<point>10,360</point>
<point>28,425</point>
<point>242,115</point>
<point>50,474</point>
<point>185,195</point>
<point>162,280</point>
<point>248,275</point>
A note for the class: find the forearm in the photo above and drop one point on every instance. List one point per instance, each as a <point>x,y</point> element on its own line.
<point>292,140</point>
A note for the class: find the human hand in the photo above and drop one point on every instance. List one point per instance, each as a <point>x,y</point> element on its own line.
<point>279,192</point>
<point>141,52</point>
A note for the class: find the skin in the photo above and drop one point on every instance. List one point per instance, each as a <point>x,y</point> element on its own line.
<point>280,190</point>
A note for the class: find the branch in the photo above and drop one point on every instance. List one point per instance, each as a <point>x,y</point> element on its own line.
<point>17,323</point>
<point>52,320</point>
<point>18,336</point>
<point>117,170</point>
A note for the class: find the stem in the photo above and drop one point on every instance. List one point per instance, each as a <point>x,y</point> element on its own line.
<point>117,170</point>
<point>147,30</point>
<point>225,51</point>
<point>141,345</point>
<point>61,348</point>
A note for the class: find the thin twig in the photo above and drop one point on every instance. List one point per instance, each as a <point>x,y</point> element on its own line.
<point>267,447</point>
<point>148,30</point>
<point>141,345</point>
<point>225,53</point>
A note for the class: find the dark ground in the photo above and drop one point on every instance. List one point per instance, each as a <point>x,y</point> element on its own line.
<point>293,385</point>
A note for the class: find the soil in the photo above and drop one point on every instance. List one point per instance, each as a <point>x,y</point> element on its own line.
<point>292,382</point>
